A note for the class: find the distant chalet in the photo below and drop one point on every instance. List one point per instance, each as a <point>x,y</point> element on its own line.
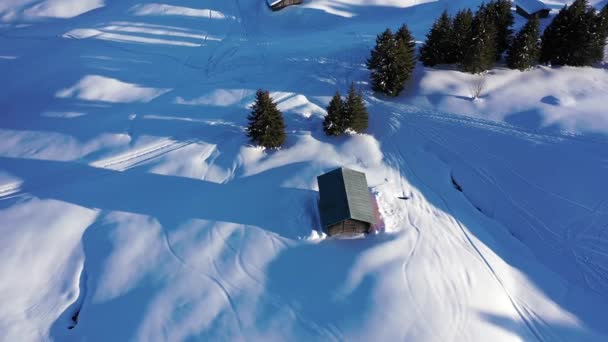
<point>276,5</point>
<point>532,8</point>
<point>346,205</point>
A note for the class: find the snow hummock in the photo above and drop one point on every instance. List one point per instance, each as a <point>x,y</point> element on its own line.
<point>12,10</point>
<point>164,9</point>
<point>105,89</point>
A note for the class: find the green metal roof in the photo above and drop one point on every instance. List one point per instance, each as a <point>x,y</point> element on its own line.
<point>344,195</point>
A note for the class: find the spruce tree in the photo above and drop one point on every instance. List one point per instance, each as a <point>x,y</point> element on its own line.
<point>603,20</point>
<point>334,123</point>
<point>525,48</point>
<point>380,61</point>
<point>461,31</point>
<point>551,40</point>
<point>354,107</point>
<point>404,36</point>
<point>573,37</point>
<point>266,126</point>
<point>601,34</point>
<point>499,12</point>
<point>480,54</point>
<point>439,45</point>
<point>391,62</point>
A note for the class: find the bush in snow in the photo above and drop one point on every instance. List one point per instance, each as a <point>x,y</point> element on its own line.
<point>439,45</point>
<point>335,120</point>
<point>477,85</point>
<point>480,54</point>
<point>266,126</point>
<point>576,36</point>
<point>525,48</point>
<point>391,61</point>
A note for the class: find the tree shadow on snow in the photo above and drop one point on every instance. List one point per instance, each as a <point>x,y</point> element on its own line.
<point>172,200</point>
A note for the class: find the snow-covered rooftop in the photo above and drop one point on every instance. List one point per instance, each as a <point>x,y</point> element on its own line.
<point>531,6</point>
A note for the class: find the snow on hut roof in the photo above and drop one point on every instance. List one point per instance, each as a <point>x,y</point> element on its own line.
<point>531,6</point>
<point>272,2</point>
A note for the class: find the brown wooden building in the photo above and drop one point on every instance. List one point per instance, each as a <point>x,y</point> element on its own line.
<point>276,5</point>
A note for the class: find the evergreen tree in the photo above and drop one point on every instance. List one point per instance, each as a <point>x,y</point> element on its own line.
<point>334,123</point>
<point>573,37</point>
<point>525,48</point>
<point>266,126</point>
<point>391,62</point>
<point>461,30</point>
<point>551,44</point>
<point>382,56</point>
<point>601,32</point>
<point>603,20</point>
<point>404,36</point>
<point>439,45</point>
<point>355,110</point>
<point>499,12</point>
<point>480,53</point>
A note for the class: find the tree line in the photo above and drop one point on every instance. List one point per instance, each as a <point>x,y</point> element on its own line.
<point>476,41</point>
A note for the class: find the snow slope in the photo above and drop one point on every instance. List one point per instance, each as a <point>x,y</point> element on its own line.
<point>133,208</point>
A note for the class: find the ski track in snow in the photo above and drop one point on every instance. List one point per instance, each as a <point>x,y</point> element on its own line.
<point>558,242</point>
<point>480,255</point>
<point>122,162</point>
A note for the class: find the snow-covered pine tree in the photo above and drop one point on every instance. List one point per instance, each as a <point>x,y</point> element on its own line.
<point>405,36</point>
<point>551,40</point>
<point>334,123</point>
<point>356,111</point>
<point>573,36</point>
<point>601,29</point>
<point>439,45</point>
<point>392,62</point>
<point>461,29</point>
<point>266,126</point>
<point>525,48</point>
<point>502,18</point>
<point>480,54</point>
<point>382,56</point>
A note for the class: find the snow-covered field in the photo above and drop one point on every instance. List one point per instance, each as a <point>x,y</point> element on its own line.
<point>132,203</point>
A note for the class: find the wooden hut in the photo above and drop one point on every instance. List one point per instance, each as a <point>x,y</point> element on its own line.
<point>276,5</point>
<point>531,8</point>
<point>345,202</point>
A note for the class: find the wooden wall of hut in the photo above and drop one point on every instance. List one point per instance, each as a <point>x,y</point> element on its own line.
<point>348,227</point>
<point>284,3</point>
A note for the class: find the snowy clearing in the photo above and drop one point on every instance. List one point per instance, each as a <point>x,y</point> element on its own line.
<point>132,206</point>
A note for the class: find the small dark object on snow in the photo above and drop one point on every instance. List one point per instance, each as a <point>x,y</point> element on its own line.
<point>74,319</point>
<point>532,8</point>
<point>404,197</point>
<point>456,185</point>
<point>276,5</point>
<point>345,204</point>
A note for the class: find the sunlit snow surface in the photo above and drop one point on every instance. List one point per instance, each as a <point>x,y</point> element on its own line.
<point>132,206</point>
